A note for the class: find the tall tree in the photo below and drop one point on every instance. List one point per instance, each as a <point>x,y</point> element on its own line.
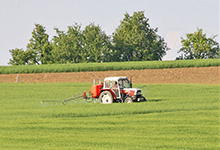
<point>39,46</point>
<point>134,39</point>
<point>198,46</point>
<point>67,47</point>
<point>96,44</point>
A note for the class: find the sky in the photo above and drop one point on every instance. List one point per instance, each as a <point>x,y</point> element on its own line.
<point>173,18</point>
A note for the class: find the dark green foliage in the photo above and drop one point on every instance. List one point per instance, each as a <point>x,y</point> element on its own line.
<point>135,40</point>
<point>96,44</point>
<point>68,47</point>
<point>77,46</point>
<point>38,50</point>
<point>18,57</point>
<point>198,46</point>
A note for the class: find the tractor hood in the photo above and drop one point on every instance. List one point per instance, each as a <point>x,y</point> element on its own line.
<point>132,91</point>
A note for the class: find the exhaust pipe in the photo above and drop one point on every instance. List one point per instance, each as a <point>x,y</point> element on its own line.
<point>131,81</point>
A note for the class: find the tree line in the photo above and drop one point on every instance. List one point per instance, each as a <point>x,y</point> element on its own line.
<point>133,40</point>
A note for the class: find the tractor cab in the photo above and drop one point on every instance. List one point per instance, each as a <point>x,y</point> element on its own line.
<point>121,82</point>
<point>121,90</point>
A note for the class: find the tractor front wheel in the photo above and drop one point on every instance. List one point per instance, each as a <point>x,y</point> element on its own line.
<point>106,97</point>
<point>128,100</point>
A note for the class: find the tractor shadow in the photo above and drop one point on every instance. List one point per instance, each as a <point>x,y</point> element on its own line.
<point>155,100</point>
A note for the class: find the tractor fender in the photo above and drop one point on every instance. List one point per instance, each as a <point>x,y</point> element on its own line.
<point>113,94</point>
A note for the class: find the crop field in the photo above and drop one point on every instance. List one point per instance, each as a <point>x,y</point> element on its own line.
<point>176,116</point>
<point>82,67</point>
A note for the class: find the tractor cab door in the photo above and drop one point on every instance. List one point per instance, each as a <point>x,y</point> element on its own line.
<point>113,85</point>
<point>116,89</point>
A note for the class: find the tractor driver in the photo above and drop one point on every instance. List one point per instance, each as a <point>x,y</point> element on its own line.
<point>115,86</point>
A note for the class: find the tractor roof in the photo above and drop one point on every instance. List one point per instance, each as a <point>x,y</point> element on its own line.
<point>114,78</point>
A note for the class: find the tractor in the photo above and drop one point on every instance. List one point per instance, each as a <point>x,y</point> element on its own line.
<point>115,89</point>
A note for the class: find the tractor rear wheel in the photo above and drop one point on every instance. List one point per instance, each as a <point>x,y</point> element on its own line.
<point>128,100</point>
<point>106,97</point>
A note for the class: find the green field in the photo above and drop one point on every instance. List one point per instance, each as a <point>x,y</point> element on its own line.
<point>176,116</point>
<point>135,65</point>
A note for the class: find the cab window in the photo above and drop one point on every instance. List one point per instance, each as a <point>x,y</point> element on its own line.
<point>110,84</point>
<point>124,83</point>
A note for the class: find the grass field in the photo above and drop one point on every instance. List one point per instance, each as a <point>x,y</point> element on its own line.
<point>176,116</point>
<point>135,65</point>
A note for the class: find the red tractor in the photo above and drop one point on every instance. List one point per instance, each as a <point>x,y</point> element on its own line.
<point>115,89</point>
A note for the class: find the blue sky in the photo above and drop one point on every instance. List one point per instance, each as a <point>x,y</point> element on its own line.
<point>173,18</point>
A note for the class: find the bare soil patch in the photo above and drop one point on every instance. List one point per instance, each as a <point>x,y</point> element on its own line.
<point>203,75</point>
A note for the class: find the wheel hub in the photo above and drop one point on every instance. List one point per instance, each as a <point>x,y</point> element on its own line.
<point>106,99</point>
